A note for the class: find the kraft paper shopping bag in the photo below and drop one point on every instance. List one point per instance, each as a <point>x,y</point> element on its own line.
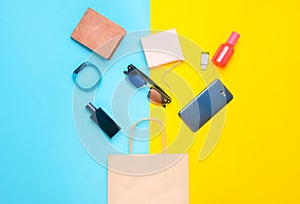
<point>148,179</point>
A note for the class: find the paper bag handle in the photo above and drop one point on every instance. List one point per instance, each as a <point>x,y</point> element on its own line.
<point>163,132</point>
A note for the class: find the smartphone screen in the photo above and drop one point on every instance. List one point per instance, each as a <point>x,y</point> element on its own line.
<point>205,105</point>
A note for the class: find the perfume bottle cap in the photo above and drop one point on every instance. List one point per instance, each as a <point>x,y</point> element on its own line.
<point>232,40</point>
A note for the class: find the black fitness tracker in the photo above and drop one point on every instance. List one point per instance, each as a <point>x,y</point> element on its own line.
<point>80,68</point>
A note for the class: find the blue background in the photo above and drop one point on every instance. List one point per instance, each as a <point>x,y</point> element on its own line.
<point>42,159</point>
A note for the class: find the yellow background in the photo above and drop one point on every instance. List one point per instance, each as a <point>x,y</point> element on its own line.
<point>257,157</point>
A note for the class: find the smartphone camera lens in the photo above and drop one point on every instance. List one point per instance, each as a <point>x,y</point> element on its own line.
<point>222,92</point>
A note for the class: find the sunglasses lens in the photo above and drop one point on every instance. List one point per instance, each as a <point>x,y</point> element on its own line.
<point>156,98</point>
<point>135,79</point>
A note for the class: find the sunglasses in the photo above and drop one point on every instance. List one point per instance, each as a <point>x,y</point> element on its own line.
<point>138,79</point>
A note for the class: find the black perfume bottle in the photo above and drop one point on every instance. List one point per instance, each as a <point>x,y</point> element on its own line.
<point>103,120</point>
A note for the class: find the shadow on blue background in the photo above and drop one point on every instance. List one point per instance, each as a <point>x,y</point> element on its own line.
<point>42,160</point>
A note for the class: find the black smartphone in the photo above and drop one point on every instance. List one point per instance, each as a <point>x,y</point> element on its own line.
<point>205,105</point>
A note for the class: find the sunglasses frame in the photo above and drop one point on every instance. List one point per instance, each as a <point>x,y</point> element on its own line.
<point>131,68</point>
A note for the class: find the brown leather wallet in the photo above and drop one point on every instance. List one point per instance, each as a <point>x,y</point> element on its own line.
<point>98,33</point>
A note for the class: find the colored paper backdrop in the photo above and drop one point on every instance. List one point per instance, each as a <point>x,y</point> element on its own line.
<point>42,159</point>
<point>257,157</point>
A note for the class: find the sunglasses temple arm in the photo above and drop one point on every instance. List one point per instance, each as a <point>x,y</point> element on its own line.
<point>162,91</point>
<point>151,82</point>
<point>154,84</point>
